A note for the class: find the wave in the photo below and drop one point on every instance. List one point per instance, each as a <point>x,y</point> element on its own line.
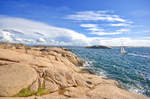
<point>133,54</point>
<point>88,63</point>
<point>89,66</point>
<point>136,89</point>
<point>101,74</point>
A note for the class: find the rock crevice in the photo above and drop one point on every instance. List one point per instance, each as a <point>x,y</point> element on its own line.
<point>52,73</point>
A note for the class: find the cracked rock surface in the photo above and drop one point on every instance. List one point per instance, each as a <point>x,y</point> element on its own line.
<point>55,70</point>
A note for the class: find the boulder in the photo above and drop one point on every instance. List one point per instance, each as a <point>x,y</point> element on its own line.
<point>15,77</point>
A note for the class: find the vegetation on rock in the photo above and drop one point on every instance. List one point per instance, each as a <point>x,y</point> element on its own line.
<point>25,92</point>
<point>42,91</point>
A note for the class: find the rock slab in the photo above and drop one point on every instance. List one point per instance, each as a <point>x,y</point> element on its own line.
<point>15,77</point>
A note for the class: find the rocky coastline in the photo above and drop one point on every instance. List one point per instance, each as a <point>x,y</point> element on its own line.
<point>39,72</point>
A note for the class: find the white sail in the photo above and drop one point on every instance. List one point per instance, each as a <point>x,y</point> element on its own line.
<point>123,50</point>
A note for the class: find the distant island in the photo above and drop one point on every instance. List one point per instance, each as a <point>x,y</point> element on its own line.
<point>99,47</point>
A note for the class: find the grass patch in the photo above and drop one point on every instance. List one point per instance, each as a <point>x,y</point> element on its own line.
<point>42,91</point>
<point>25,92</point>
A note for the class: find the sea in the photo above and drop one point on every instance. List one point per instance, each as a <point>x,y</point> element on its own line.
<point>131,70</point>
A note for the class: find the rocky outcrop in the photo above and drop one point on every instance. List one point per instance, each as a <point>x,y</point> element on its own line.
<point>99,47</point>
<point>14,77</point>
<point>51,73</point>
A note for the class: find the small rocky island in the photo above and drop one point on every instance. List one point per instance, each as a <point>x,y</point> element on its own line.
<point>99,47</point>
<point>51,73</point>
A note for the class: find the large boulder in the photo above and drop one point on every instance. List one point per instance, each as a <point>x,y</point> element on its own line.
<point>15,77</point>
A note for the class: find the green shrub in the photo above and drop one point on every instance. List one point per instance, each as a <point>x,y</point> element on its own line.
<point>25,92</point>
<point>42,91</point>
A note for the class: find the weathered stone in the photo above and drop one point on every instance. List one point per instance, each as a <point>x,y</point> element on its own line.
<point>63,79</point>
<point>51,85</point>
<point>52,96</point>
<point>15,77</point>
<point>80,80</point>
<point>41,81</point>
<point>107,91</point>
<point>56,70</point>
<point>34,87</point>
<point>30,97</point>
<point>76,92</point>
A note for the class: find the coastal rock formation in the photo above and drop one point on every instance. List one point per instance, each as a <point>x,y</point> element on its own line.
<point>51,73</point>
<point>14,77</point>
<point>99,47</point>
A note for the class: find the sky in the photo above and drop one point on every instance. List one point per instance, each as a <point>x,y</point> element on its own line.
<point>76,22</point>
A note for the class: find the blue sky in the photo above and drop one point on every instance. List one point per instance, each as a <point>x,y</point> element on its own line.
<point>106,22</point>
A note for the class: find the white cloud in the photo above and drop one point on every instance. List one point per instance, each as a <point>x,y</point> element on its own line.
<point>110,33</point>
<point>146,31</point>
<point>105,33</point>
<point>88,25</point>
<point>92,27</point>
<point>95,16</point>
<point>127,41</point>
<point>119,24</point>
<point>41,40</point>
<point>26,31</point>
<point>147,37</point>
<point>95,29</point>
<point>6,36</point>
<point>123,30</point>
<point>100,31</point>
<point>105,15</point>
<point>31,32</point>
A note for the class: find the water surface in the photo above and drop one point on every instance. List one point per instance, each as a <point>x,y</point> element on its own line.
<point>132,71</point>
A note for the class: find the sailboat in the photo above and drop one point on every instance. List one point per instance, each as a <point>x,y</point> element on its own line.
<point>123,51</point>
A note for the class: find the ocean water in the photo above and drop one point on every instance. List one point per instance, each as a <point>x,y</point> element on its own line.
<point>132,71</point>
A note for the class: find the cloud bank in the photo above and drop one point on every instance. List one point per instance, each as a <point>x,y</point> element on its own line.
<point>119,24</point>
<point>95,29</point>
<point>98,17</point>
<point>19,30</point>
<point>95,16</point>
<point>28,31</point>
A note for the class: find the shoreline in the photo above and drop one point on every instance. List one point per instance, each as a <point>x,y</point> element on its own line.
<point>56,71</point>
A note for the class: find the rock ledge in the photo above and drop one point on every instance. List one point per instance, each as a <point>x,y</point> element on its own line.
<point>51,73</point>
